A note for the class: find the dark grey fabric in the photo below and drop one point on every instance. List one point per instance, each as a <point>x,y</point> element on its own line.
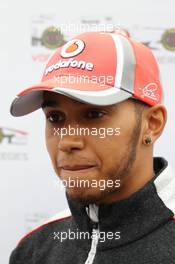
<point>146,225</point>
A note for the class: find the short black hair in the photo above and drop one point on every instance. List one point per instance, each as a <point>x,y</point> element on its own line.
<point>140,106</point>
<point>139,103</point>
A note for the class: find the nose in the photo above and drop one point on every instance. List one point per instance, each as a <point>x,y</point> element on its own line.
<point>70,143</point>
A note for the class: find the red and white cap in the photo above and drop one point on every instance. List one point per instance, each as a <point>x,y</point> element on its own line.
<point>99,68</point>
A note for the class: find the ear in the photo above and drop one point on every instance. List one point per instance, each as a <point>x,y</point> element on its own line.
<point>154,122</point>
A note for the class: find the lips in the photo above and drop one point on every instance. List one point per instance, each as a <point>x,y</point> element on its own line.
<point>76,167</point>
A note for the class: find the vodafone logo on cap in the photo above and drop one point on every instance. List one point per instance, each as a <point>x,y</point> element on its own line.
<point>69,50</point>
<point>72,48</point>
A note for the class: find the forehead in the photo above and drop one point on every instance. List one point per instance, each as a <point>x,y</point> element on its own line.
<point>58,99</point>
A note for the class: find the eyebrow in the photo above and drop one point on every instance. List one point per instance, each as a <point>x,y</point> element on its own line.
<point>52,103</point>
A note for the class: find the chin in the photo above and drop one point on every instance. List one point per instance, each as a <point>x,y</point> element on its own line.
<point>86,196</point>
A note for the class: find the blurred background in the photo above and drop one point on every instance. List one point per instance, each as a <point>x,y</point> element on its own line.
<point>29,32</point>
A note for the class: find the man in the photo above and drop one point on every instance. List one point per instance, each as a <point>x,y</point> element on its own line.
<point>102,99</point>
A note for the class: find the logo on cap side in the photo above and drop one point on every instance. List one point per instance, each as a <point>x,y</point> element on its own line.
<point>150,91</point>
<point>72,48</point>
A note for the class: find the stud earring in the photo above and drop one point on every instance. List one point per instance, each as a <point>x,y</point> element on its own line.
<point>148,140</point>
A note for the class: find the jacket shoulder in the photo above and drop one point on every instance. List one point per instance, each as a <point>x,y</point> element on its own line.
<point>57,218</point>
<point>32,241</point>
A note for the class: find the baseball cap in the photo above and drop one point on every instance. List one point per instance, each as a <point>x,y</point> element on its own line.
<point>99,68</point>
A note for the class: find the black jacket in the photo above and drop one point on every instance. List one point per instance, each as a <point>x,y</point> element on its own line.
<point>136,230</point>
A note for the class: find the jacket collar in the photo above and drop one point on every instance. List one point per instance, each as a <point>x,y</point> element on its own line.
<point>133,217</point>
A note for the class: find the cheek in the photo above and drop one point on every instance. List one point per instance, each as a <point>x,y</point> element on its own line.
<point>51,143</point>
<point>113,148</point>
<point>110,150</point>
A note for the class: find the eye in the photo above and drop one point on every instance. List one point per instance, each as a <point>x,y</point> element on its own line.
<point>55,117</point>
<point>95,113</point>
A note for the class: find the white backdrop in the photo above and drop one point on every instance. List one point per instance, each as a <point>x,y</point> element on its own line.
<point>29,192</point>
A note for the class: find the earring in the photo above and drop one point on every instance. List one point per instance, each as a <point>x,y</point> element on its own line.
<point>148,140</point>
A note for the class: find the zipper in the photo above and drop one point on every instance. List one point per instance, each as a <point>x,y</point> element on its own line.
<point>92,211</point>
<point>94,243</point>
